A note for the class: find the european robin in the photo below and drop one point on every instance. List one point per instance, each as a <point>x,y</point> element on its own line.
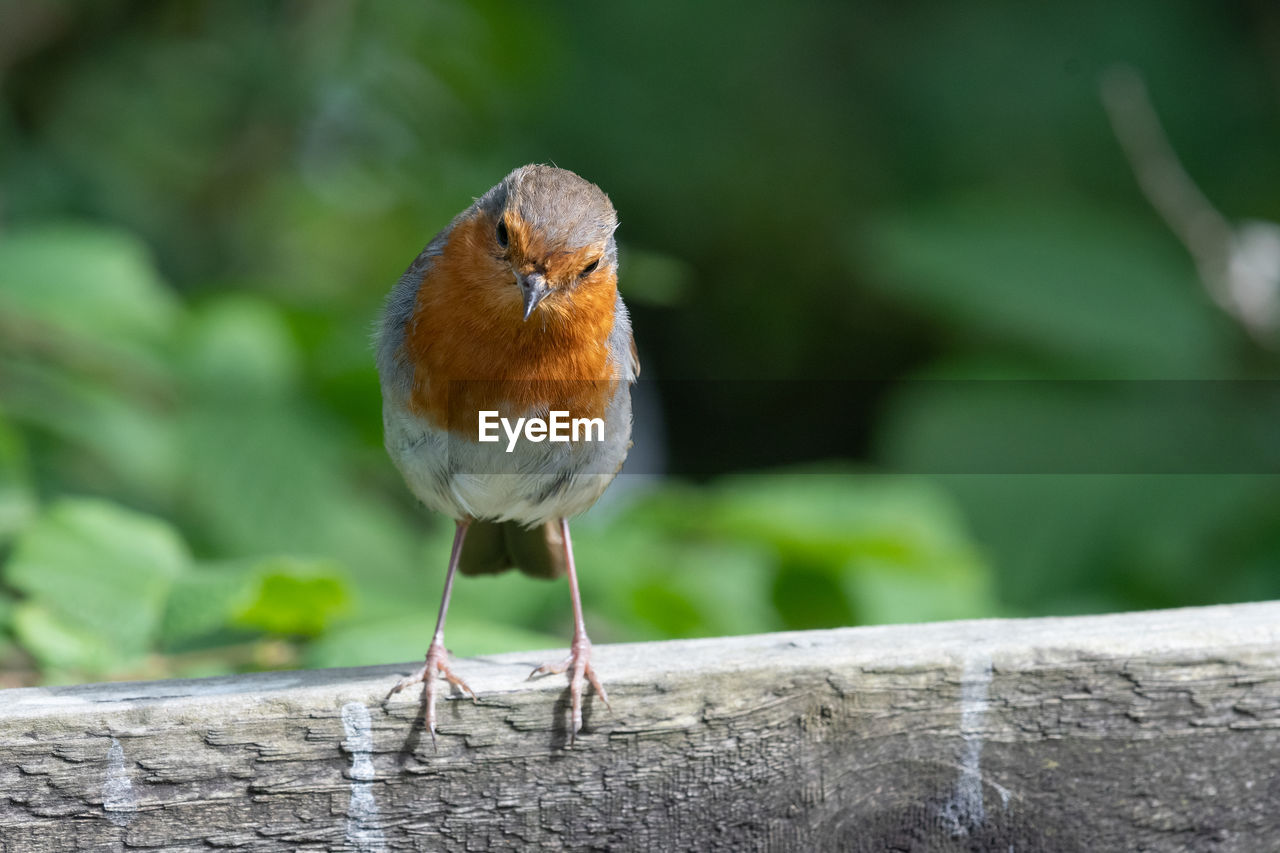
<point>512,311</point>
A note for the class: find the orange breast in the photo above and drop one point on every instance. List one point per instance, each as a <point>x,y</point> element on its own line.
<point>472,350</point>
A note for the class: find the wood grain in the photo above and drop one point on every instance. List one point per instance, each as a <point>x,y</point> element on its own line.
<point>1140,731</point>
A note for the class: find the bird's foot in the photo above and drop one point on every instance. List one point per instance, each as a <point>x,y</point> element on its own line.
<point>578,666</point>
<point>436,663</point>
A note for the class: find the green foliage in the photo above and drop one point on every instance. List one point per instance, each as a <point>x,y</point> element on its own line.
<point>864,546</point>
<point>204,206</point>
<point>285,596</point>
<point>17,500</point>
<point>250,467</point>
<point>1091,294</point>
<point>294,598</point>
<point>95,285</point>
<point>1049,291</point>
<point>95,578</point>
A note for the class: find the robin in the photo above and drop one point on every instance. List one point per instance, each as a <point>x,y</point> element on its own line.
<point>511,315</point>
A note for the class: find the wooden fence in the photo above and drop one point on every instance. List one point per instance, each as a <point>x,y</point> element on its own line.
<point>1137,731</point>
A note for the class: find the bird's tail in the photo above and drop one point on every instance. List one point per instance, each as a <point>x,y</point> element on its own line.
<point>492,547</point>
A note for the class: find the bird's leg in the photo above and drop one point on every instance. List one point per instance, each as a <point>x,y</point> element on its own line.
<point>578,663</point>
<point>436,653</point>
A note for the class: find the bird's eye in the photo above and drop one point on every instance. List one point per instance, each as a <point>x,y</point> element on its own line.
<point>589,268</point>
<point>501,234</point>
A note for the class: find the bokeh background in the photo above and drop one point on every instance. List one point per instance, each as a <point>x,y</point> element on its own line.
<point>202,205</point>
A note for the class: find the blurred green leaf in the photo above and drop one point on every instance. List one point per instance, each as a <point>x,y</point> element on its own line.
<point>832,518</point>
<point>7,608</point>
<point>84,325</point>
<point>670,612</point>
<point>203,603</point>
<point>846,543</point>
<point>269,471</point>
<point>645,581</point>
<point>1091,543</point>
<point>107,434</point>
<point>786,549</point>
<point>1037,426</point>
<point>1102,296</point>
<point>404,638</point>
<point>809,597</point>
<point>94,282</point>
<point>510,598</point>
<point>1057,480</point>
<point>725,587</point>
<point>240,345</point>
<point>96,577</point>
<point>285,595</point>
<point>893,593</point>
<point>62,646</point>
<point>295,597</point>
<point>262,477</point>
<point>17,500</point>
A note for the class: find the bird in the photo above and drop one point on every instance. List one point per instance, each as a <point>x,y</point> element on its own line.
<point>512,311</point>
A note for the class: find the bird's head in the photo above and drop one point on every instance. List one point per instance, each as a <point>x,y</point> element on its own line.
<point>552,233</point>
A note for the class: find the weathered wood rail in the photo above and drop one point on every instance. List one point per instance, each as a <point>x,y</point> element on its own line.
<point>1139,731</point>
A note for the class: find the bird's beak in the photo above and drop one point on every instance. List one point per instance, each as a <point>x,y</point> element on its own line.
<point>534,289</point>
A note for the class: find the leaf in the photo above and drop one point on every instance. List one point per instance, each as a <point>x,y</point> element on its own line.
<point>17,500</point>
<point>283,595</point>
<point>762,552</point>
<point>204,601</point>
<point>105,431</point>
<point>85,321</point>
<point>295,597</point>
<point>831,518</point>
<point>59,644</point>
<point>847,546</point>
<point>1056,276</point>
<point>810,598</point>
<point>95,572</point>
<point>7,608</point>
<point>87,281</point>
<point>1069,427</point>
<point>1089,523</point>
<point>240,345</point>
<point>269,476</point>
<point>889,593</point>
<point>1092,543</point>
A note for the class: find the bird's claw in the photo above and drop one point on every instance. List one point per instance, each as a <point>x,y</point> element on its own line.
<point>435,663</point>
<point>578,665</point>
